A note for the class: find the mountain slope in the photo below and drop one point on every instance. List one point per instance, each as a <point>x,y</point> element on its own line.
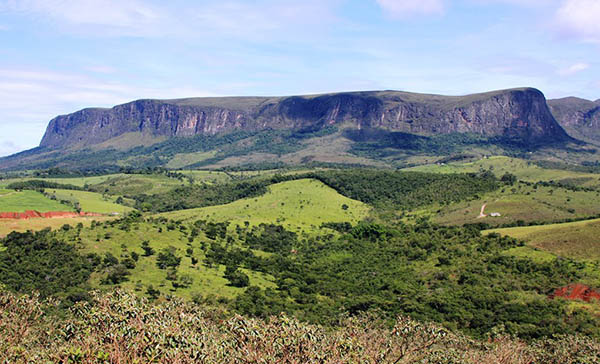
<point>579,117</point>
<point>519,114</point>
<point>340,128</point>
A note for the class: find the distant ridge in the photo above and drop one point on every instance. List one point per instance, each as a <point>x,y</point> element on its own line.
<point>367,127</point>
<point>579,117</point>
<point>518,113</point>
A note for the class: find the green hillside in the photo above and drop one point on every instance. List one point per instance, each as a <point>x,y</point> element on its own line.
<point>304,203</point>
<point>90,201</point>
<point>524,170</point>
<point>575,239</point>
<point>13,201</point>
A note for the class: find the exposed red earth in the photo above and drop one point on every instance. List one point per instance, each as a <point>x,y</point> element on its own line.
<point>30,214</point>
<point>577,291</point>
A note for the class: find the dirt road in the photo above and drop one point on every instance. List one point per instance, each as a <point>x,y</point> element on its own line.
<point>482,214</point>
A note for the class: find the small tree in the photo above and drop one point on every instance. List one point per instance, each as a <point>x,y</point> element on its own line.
<point>236,278</point>
<point>167,258</point>
<point>509,178</point>
<point>148,251</point>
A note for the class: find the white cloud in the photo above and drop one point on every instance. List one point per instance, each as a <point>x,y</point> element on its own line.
<point>30,98</point>
<point>154,19</point>
<point>573,69</point>
<point>131,17</point>
<point>404,8</point>
<point>579,19</point>
<point>525,3</point>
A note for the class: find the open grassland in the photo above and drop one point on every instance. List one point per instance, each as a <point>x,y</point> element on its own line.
<point>182,160</point>
<point>134,184</point>
<point>207,176</point>
<point>579,240</point>
<point>75,181</point>
<point>21,201</point>
<point>303,204</point>
<point>519,202</point>
<point>524,170</point>
<point>120,243</point>
<point>90,201</point>
<point>9,225</point>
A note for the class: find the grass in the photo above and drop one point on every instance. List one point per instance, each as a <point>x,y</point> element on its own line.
<point>121,243</point>
<point>182,160</point>
<point>75,181</point>
<point>302,204</point>
<point>524,170</point>
<point>91,201</point>
<point>535,254</point>
<point>577,240</point>
<point>9,225</point>
<point>518,202</point>
<point>29,200</point>
<point>133,184</point>
<point>207,176</point>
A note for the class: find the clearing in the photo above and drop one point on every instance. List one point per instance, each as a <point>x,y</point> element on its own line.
<point>304,204</point>
<point>577,240</point>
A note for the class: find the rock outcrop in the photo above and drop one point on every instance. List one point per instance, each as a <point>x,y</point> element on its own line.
<point>519,114</point>
<point>580,117</point>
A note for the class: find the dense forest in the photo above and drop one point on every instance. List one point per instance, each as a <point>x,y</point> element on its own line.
<point>450,275</point>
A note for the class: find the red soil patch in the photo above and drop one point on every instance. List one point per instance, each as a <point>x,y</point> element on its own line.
<point>30,214</point>
<point>577,291</point>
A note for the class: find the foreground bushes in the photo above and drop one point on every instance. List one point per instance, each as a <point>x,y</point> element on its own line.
<point>121,328</point>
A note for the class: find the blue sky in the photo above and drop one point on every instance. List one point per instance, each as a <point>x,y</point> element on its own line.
<point>58,56</point>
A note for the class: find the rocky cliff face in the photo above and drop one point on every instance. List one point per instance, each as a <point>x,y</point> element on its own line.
<point>580,117</point>
<point>520,114</point>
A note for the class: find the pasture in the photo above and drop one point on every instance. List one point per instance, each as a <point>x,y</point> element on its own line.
<point>301,204</point>
<point>90,201</point>
<point>578,240</point>
<point>13,201</point>
<point>120,243</point>
<point>518,203</point>
<point>523,169</point>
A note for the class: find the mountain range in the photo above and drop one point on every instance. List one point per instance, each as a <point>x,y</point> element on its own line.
<point>371,128</point>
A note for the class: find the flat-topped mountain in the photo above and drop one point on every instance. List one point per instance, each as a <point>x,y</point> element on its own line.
<point>519,114</point>
<point>347,127</point>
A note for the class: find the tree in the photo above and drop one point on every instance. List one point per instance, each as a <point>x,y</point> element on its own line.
<point>148,251</point>
<point>509,178</point>
<point>167,258</point>
<point>236,278</point>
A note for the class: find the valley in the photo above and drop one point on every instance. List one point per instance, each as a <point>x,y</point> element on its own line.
<point>478,231</point>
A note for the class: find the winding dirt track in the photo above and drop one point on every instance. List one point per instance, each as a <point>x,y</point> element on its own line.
<point>482,214</point>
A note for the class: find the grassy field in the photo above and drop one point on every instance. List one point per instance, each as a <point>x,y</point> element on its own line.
<point>182,160</point>
<point>133,184</point>
<point>12,201</point>
<point>206,280</point>
<point>524,170</point>
<point>298,205</point>
<point>207,176</point>
<point>9,225</point>
<point>577,240</point>
<point>75,181</point>
<point>90,201</point>
<point>518,202</point>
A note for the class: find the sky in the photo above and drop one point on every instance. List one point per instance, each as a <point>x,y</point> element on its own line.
<point>59,56</point>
